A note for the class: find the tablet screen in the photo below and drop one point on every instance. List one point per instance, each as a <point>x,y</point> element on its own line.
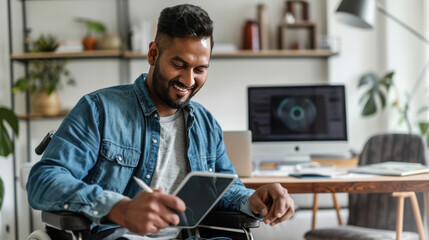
<point>200,192</point>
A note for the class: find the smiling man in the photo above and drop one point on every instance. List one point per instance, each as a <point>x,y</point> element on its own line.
<point>152,130</point>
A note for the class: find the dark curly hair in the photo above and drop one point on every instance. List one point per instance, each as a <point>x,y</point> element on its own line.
<point>183,21</point>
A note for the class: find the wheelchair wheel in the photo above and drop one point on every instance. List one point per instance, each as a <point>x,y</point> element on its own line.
<point>39,235</point>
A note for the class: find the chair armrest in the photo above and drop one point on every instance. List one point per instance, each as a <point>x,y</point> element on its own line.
<point>230,220</point>
<point>66,220</point>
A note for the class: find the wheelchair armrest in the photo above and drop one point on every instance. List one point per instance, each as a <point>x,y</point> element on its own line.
<point>66,220</point>
<point>229,219</point>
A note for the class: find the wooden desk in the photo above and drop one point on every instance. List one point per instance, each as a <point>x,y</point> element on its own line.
<point>376,184</point>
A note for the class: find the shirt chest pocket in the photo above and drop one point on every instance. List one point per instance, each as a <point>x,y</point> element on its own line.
<point>115,166</point>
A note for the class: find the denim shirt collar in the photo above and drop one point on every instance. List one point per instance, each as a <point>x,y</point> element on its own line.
<point>146,103</point>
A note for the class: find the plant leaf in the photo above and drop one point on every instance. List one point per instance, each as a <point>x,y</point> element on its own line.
<point>10,117</point>
<point>6,144</point>
<point>382,98</point>
<point>370,107</point>
<point>423,126</point>
<point>368,79</point>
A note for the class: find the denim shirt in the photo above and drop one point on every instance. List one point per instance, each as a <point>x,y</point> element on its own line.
<point>112,135</point>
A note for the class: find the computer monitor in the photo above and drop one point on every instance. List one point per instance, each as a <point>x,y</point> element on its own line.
<point>291,123</point>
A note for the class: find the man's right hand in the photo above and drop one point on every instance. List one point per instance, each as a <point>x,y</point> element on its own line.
<point>147,212</point>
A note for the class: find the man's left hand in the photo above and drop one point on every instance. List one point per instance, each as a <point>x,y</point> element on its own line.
<point>273,202</point>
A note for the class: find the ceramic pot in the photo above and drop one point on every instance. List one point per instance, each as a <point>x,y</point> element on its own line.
<point>46,105</point>
<point>110,41</point>
<point>89,43</point>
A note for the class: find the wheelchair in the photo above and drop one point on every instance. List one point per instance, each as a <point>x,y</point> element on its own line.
<point>65,225</point>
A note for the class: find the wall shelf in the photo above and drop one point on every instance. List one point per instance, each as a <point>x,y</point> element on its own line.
<point>66,55</point>
<point>35,116</point>
<point>24,57</point>
<point>254,54</point>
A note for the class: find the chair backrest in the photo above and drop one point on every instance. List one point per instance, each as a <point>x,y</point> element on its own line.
<point>379,210</point>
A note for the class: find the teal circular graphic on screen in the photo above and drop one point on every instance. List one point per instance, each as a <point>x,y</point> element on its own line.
<point>297,113</point>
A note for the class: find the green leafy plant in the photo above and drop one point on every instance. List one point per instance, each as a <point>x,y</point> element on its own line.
<point>44,75</point>
<point>45,43</point>
<point>6,143</point>
<point>379,88</point>
<point>92,26</point>
<point>8,117</point>
<point>424,124</point>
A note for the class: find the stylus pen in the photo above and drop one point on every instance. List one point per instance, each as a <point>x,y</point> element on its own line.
<point>143,185</point>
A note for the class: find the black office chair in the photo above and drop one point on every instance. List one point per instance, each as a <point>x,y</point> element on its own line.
<point>65,225</point>
<point>373,215</point>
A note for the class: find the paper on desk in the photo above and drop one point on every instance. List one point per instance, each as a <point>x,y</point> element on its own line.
<point>269,173</point>
<point>355,175</point>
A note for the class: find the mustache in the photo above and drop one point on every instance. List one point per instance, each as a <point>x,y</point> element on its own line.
<point>178,83</point>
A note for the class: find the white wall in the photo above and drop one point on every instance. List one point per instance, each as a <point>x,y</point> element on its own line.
<point>225,91</point>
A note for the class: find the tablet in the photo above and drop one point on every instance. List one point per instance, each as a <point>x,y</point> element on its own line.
<point>201,191</point>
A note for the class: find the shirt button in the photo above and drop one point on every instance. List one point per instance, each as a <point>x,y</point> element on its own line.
<point>119,158</point>
<point>154,141</point>
<point>148,176</point>
<point>155,115</point>
<point>210,169</point>
<point>95,213</point>
<point>66,206</point>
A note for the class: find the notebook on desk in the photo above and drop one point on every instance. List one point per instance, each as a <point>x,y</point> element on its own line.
<point>238,148</point>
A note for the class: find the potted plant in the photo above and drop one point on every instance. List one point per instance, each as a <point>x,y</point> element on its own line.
<point>44,78</point>
<point>43,81</point>
<point>6,143</point>
<point>90,40</point>
<point>379,88</point>
<point>45,43</point>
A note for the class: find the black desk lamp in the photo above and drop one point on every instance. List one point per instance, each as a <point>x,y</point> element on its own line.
<point>361,13</point>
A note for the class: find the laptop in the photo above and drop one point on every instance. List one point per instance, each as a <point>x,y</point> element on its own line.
<point>238,148</point>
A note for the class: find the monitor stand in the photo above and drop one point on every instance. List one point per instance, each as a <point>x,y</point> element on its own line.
<point>296,158</point>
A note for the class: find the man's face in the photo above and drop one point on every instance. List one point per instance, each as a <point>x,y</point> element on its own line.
<point>181,70</point>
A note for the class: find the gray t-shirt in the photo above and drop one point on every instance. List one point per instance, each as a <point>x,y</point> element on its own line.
<point>172,165</point>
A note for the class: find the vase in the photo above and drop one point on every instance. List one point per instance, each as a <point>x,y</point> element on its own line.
<point>89,43</point>
<point>110,41</point>
<point>46,105</point>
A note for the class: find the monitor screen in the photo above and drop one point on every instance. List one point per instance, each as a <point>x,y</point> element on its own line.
<point>297,113</point>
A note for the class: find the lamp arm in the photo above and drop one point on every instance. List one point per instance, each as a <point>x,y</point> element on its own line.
<point>422,74</point>
<point>397,20</point>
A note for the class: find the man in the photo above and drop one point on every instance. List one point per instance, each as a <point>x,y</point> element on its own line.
<point>151,130</point>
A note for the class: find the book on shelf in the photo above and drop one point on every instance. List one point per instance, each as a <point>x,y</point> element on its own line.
<point>391,168</point>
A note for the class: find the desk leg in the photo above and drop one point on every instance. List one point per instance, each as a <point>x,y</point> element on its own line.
<point>426,212</point>
<point>315,208</point>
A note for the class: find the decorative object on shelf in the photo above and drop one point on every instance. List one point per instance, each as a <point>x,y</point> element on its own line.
<point>43,81</point>
<point>90,40</point>
<point>296,31</point>
<point>142,33</point>
<point>361,13</point>
<point>298,9</point>
<point>110,41</point>
<point>6,142</point>
<point>327,42</point>
<point>298,36</point>
<point>45,43</point>
<point>251,35</point>
<point>264,33</point>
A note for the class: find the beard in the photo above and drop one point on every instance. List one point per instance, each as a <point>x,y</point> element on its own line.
<point>159,82</point>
